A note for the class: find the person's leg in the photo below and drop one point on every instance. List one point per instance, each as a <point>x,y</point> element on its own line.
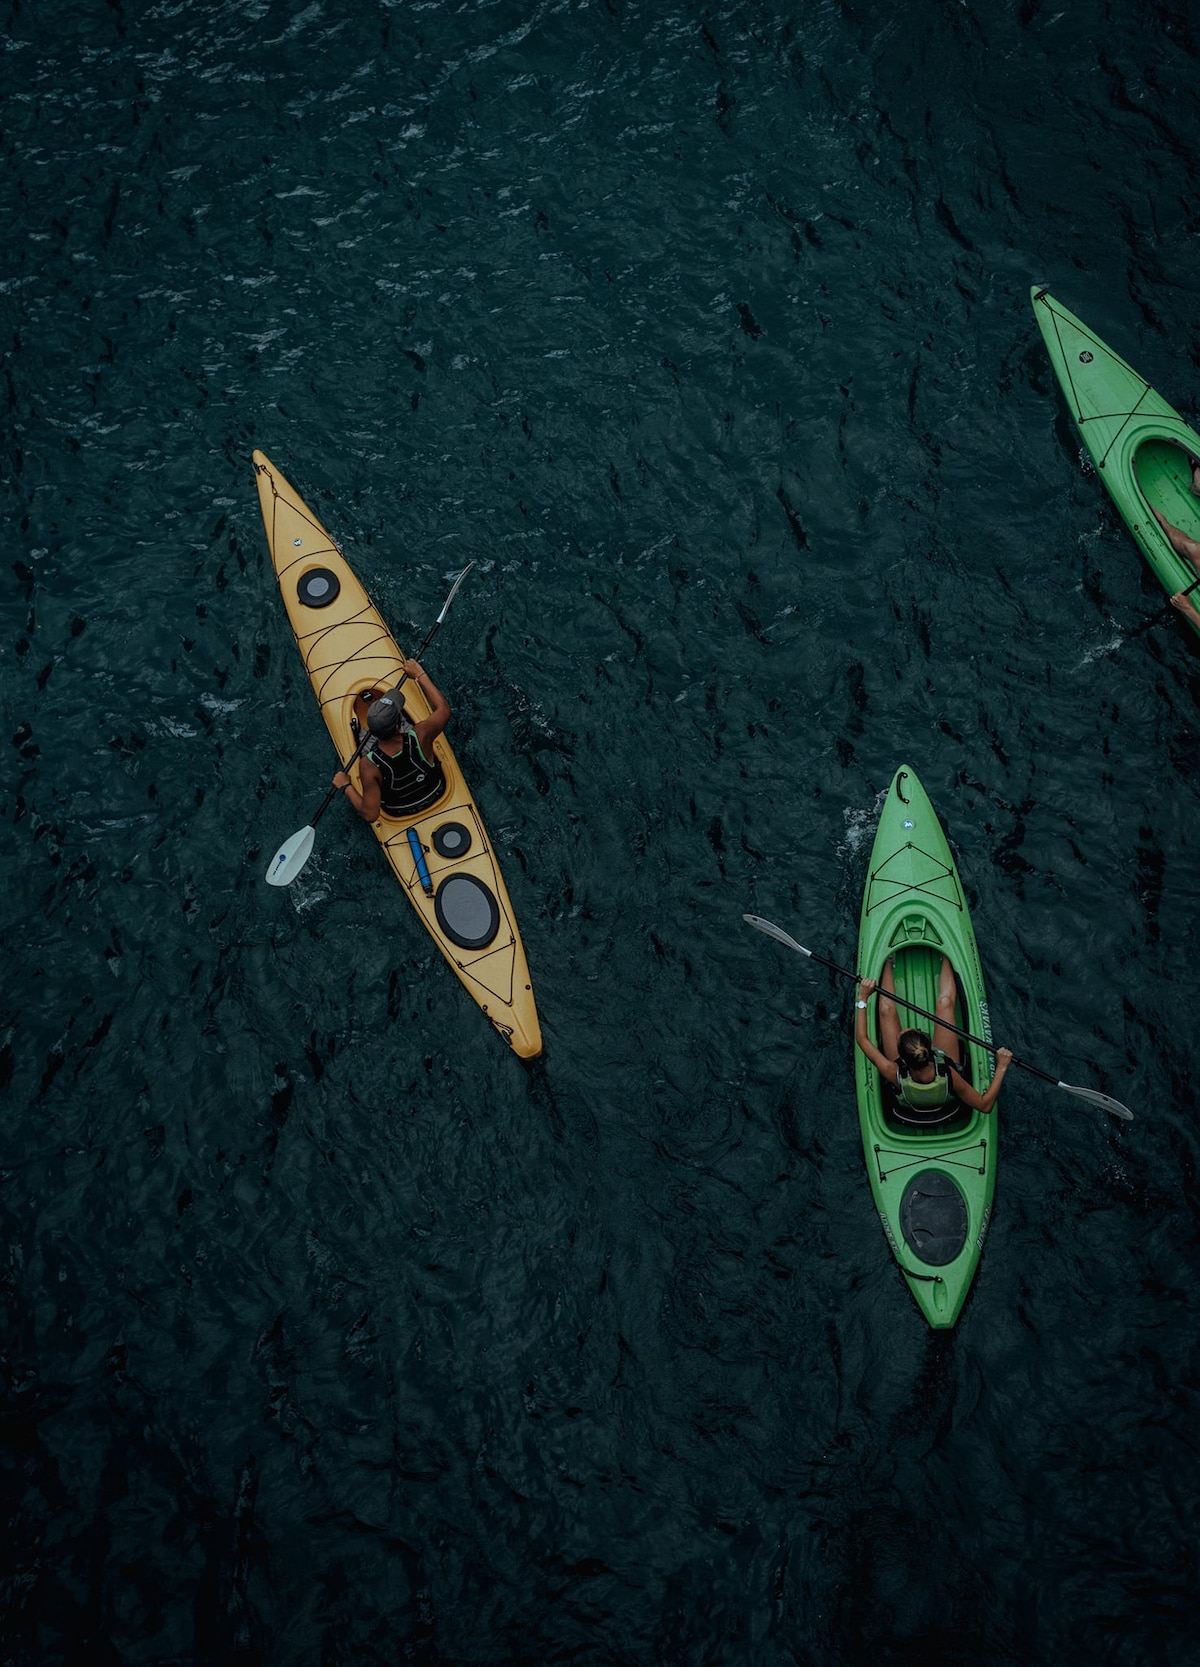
<point>943,1039</point>
<point>1183,546</point>
<point>889,1023</point>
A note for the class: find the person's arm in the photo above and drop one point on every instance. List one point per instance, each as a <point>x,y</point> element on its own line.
<point>886,1067</point>
<point>367,802</point>
<point>969,1096</point>
<point>428,730</point>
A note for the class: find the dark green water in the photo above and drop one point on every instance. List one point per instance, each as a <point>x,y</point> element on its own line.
<point>332,1333</point>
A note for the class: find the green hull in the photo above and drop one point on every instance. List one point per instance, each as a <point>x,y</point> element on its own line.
<point>914,910</point>
<point>1136,440</point>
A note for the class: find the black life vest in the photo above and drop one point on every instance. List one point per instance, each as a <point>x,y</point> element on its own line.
<point>408,781</point>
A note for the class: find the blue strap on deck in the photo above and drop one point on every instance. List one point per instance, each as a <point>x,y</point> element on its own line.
<point>418,856</point>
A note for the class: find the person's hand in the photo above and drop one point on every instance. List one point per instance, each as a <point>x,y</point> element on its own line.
<point>414,669</point>
<point>1180,601</point>
<point>342,780</point>
<point>866,988</point>
<point>1004,1058</point>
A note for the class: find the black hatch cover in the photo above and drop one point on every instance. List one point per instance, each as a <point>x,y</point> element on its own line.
<point>467,911</point>
<point>933,1218</point>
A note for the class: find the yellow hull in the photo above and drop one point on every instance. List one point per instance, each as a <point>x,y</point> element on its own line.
<point>346,648</point>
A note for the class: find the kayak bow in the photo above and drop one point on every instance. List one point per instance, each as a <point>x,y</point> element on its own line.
<point>1139,443</point>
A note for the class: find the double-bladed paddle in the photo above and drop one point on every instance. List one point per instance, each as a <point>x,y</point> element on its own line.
<point>1093,1095</point>
<point>295,852</point>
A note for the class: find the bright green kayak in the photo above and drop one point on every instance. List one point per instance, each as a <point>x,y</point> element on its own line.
<point>1138,442</point>
<point>933,1182</point>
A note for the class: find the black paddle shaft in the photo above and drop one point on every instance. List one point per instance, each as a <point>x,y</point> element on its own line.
<point>1163,613</point>
<point>902,1001</point>
<point>364,741</point>
<point>1187,591</point>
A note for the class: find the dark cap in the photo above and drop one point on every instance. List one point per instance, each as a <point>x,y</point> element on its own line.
<point>383,716</point>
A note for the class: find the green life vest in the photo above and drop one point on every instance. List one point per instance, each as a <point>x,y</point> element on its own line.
<point>924,1096</point>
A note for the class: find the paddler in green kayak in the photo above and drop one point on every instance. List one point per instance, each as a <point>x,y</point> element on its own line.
<point>400,771</point>
<point>921,1069</point>
<point>1185,547</point>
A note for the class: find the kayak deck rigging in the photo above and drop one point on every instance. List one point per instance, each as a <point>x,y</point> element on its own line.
<point>942,872</point>
<point>955,1156</point>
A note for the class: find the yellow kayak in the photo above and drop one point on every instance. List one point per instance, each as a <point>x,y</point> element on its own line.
<point>441,856</point>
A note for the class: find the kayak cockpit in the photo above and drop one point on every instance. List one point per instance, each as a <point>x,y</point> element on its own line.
<point>1164,478</point>
<point>917,949</point>
<point>945,1119</point>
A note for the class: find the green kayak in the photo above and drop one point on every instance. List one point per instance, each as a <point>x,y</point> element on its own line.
<point>1138,442</point>
<point>933,1176</point>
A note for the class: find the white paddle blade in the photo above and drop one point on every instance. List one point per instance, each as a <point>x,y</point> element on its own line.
<point>1099,1099</point>
<point>776,932</point>
<point>291,857</point>
<point>454,592</point>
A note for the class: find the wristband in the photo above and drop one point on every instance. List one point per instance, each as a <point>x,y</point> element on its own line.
<point>862,1005</point>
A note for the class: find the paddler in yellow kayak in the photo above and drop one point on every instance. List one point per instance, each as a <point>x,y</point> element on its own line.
<point>917,1066</point>
<point>400,771</point>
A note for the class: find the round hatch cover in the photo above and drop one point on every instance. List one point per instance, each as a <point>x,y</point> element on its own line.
<point>466,911</point>
<point>933,1218</point>
<point>318,587</point>
<point>451,840</point>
